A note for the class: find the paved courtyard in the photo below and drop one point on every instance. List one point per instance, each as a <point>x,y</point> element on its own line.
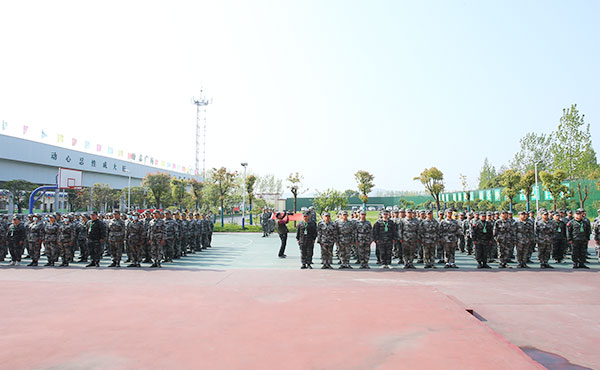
<point>237,305</point>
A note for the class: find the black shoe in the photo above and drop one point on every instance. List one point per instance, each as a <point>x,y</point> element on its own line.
<point>283,256</point>
<point>575,266</point>
<point>31,264</point>
<point>91,264</point>
<point>324,267</point>
<point>154,264</point>
<point>479,266</point>
<point>114,264</point>
<point>441,261</point>
<point>430,266</point>
<point>420,260</point>
<point>549,267</point>
<point>542,265</point>
<point>303,266</point>
<point>132,265</point>
<point>348,266</point>
<point>128,260</point>
<point>48,264</point>
<point>447,266</point>
<point>582,266</point>
<point>486,266</point>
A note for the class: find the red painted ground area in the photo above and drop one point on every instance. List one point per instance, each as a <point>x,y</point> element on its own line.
<point>239,319</point>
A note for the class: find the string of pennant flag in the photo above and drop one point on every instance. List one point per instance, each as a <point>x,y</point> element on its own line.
<point>45,136</point>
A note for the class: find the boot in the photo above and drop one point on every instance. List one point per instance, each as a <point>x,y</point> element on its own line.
<point>132,265</point>
<point>154,265</point>
<point>91,264</point>
<point>114,264</point>
<point>479,265</point>
<point>303,266</point>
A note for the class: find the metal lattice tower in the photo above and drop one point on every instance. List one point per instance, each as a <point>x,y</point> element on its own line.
<point>200,132</point>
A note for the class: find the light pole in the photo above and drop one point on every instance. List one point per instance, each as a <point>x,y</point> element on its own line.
<point>244,164</point>
<point>128,191</point>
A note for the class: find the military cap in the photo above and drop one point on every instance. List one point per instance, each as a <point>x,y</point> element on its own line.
<point>544,212</point>
<point>582,210</point>
<point>327,214</point>
<point>385,211</point>
<point>306,213</point>
<point>30,215</point>
<point>409,210</point>
<point>599,211</point>
<point>429,211</point>
<point>471,213</point>
<point>440,212</point>
<point>402,210</point>
<point>117,212</point>
<point>363,212</point>
<point>52,215</point>
<point>156,211</point>
<point>449,210</point>
<point>504,211</point>
<point>344,213</point>
<point>489,213</point>
<point>15,217</point>
<point>578,211</point>
<point>95,213</point>
<point>463,213</point>
<point>167,211</point>
<point>569,211</point>
<point>523,212</point>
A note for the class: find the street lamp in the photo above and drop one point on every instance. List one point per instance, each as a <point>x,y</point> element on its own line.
<point>128,190</point>
<point>244,164</point>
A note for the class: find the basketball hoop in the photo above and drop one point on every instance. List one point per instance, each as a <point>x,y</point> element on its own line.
<point>69,179</point>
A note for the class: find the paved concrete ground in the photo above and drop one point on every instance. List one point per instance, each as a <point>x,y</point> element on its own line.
<point>238,305</point>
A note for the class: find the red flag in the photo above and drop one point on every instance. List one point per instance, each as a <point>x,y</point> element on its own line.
<point>98,148</point>
<point>295,217</point>
<point>73,142</point>
<point>25,129</point>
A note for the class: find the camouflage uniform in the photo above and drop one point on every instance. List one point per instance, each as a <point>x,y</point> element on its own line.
<point>524,236</point>
<point>156,238</point>
<point>116,238</point>
<point>170,236</point>
<point>531,223</point>
<point>364,233</point>
<point>66,238</point>
<point>179,249</point>
<point>35,236</point>
<point>411,232</point>
<point>81,232</point>
<point>327,236</point>
<point>346,237</point>
<point>211,228</point>
<point>146,222</point>
<point>399,231</point>
<point>135,240</point>
<point>544,232</point>
<point>504,236</point>
<point>450,231</point>
<point>205,230</point>
<point>430,236</point>
<point>3,245</point>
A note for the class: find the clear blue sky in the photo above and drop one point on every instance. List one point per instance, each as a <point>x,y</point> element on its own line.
<point>324,88</point>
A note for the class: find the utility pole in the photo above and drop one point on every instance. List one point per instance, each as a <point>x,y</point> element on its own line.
<point>200,121</point>
<point>244,164</point>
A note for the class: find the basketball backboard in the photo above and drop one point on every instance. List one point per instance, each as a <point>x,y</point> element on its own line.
<point>69,179</point>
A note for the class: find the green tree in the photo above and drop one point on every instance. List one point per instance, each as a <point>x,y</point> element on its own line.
<point>224,183</point>
<point>573,152</point>
<point>178,190</point>
<point>526,185</point>
<point>365,184</point>
<point>20,190</point>
<point>78,199</point>
<point>433,180</point>
<point>349,193</point>
<point>196,188</point>
<point>103,197</point>
<point>159,184</point>
<point>511,180</point>
<point>553,182</point>
<point>250,182</point>
<point>295,181</point>
<point>488,178</point>
<point>329,200</point>
<point>533,148</point>
<point>138,196</point>
<point>403,203</point>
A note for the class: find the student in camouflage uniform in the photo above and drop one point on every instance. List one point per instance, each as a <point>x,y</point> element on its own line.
<point>596,233</point>
<point>3,245</point>
<point>482,239</point>
<point>50,240</point>
<point>450,231</point>
<point>205,229</point>
<point>81,232</point>
<point>66,237</point>
<point>504,236</point>
<point>345,238</point>
<point>35,235</point>
<point>156,237</point>
<point>135,240</point>
<point>430,237</point>
<point>180,247</point>
<point>462,241</point>
<point>264,223</point>
<point>16,237</point>
<point>170,236</point>
<point>578,236</point>
<point>440,246</point>
<point>211,228</point>
<point>116,238</point>
<point>364,236</point>
<point>306,233</point>
<point>411,233</point>
<point>524,235</point>
<point>327,234</point>
<point>384,234</point>
<point>544,232</point>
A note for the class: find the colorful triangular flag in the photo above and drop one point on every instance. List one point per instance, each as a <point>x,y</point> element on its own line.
<point>60,138</point>
<point>44,135</point>
<point>110,150</point>
<point>98,147</point>
<point>87,144</point>
<point>25,129</point>
<point>73,141</point>
<point>4,124</point>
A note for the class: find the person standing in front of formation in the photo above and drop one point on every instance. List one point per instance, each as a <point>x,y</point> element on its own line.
<point>384,234</point>
<point>578,236</point>
<point>450,232</point>
<point>327,234</point>
<point>482,230</point>
<point>16,238</point>
<point>306,233</point>
<point>96,237</point>
<point>559,241</point>
<point>364,235</point>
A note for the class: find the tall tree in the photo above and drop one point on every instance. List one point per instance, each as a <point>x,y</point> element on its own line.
<point>526,185</point>
<point>533,148</point>
<point>178,190</point>
<point>20,190</point>
<point>196,188</point>
<point>224,182</point>
<point>329,200</point>
<point>488,178</point>
<point>250,182</point>
<point>511,180</point>
<point>350,193</point>
<point>159,184</point>
<point>433,180</point>
<point>553,182</point>
<point>365,184</point>
<point>573,152</point>
<point>295,185</point>
<point>103,197</point>
<point>138,195</point>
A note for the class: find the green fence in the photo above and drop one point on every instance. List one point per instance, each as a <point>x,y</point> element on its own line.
<point>355,202</point>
